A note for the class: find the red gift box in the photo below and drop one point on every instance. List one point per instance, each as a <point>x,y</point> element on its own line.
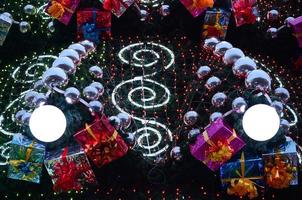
<point>93,24</point>
<point>101,142</point>
<point>118,7</point>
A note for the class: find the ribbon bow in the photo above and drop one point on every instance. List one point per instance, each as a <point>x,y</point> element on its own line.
<point>66,174</point>
<point>203,3</point>
<point>279,173</point>
<point>111,4</point>
<point>57,9</point>
<point>243,9</point>
<point>243,186</point>
<point>220,151</point>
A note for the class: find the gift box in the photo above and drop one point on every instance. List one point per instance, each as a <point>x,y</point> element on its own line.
<point>62,10</point>
<point>217,144</point>
<point>216,23</point>
<point>243,177</point>
<point>26,159</point>
<point>5,24</point>
<point>117,7</point>
<point>101,142</point>
<point>93,24</point>
<point>296,25</point>
<point>69,169</point>
<point>196,7</point>
<point>245,11</point>
<point>280,165</point>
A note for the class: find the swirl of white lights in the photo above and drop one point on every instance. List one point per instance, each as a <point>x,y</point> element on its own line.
<point>149,139</point>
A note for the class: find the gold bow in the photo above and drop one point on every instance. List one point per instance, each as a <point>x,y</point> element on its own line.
<point>57,10</point>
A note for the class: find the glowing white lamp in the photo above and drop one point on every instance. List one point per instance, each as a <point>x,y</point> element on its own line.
<point>261,122</point>
<point>47,123</point>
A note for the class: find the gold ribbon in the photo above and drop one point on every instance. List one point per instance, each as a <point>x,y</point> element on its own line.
<point>57,10</point>
<point>203,3</point>
<point>89,131</point>
<point>242,186</point>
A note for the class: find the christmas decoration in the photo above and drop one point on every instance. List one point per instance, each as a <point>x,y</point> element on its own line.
<point>296,24</point>
<point>196,7</point>
<point>5,24</point>
<point>245,11</point>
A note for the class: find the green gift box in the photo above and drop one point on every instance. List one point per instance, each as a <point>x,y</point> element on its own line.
<point>26,159</point>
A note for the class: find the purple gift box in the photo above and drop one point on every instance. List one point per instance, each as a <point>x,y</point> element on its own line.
<point>189,4</point>
<point>62,10</point>
<point>296,24</point>
<point>215,134</point>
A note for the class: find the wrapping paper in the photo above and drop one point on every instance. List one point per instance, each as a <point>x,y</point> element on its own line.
<point>62,10</point>
<point>281,166</point>
<point>26,159</point>
<point>216,23</point>
<point>242,178</point>
<point>69,169</point>
<point>93,24</point>
<point>117,7</point>
<point>196,7</point>
<point>5,24</point>
<point>245,11</point>
<point>101,142</point>
<point>217,144</point>
<point>296,25</point>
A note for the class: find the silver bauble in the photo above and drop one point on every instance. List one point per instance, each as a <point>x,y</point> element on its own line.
<point>232,55</point>
<point>210,43</point>
<point>115,121</point>
<point>190,118</point>
<point>40,100</point>
<point>66,64</point>
<point>89,46</point>
<point>239,105</point>
<point>258,80</point>
<point>29,9</point>
<point>243,66</point>
<point>79,48</point>
<point>222,47</point>
<point>214,116</point>
<point>96,107</point>
<point>282,93</point>
<point>212,83</point>
<point>91,93</point>
<point>96,71</point>
<point>24,27</point>
<point>203,71</point>
<point>218,99</point>
<point>278,106</point>
<point>19,114</point>
<point>54,77</point>
<point>176,154</point>
<point>72,54</point>
<point>99,87</point>
<point>125,120</point>
<point>29,97</point>
<point>72,95</point>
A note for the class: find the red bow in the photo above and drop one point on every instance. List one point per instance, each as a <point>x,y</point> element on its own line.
<point>243,9</point>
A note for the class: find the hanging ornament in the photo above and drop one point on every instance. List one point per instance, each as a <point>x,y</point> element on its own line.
<point>39,85</point>
<point>258,80</point>
<point>96,71</point>
<point>66,64</point>
<point>193,134</point>
<point>282,94</point>
<point>175,153</point>
<point>54,76</point>
<point>239,105</point>
<point>80,49</point>
<point>91,93</point>
<point>72,95</point>
<point>8,15</point>
<point>165,10</point>
<point>24,27</point>
<point>29,9</point>
<point>218,99</point>
<point>29,97</point>
<point>115,122</point>
<point>203,71</point>
<point>288,20</point>
<point>40,100</point>
<point>190,118</point>
<point>212,83</point>
<point>222,47</point>
<point>272,33</point>
<point>210,43</point>
<point>214,116</point>
<point>272,15</point>
<point>96,107</point>
<point>232,55</point>
<point>25,118</point>
<point>72,54</point>
<point>89,46</point>
<point>278,106</point>
<point>19,114</point>
<point>125,120</point>
<point>144,15</point>
<point>243,66</point>
<point>99,87</point>
<point>51,27</point>
<point>284,124</point>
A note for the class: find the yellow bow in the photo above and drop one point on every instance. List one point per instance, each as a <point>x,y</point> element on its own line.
<point>57,10</point>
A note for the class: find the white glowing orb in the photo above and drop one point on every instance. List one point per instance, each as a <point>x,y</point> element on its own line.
<point>261,122</point>
<point>47,123</point>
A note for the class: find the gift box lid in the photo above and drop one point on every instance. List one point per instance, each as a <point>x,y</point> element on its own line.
<point>19,139</point>
<point>289,146</point>
<point>297,21</point>
<point>56,154</point>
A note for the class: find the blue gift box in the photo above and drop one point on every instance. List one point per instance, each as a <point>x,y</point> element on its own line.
<point>5,24</point>
<point>26,159</point>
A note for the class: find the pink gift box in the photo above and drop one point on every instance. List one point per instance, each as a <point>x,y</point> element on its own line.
<point>296,24</point>
<point>216,135</point>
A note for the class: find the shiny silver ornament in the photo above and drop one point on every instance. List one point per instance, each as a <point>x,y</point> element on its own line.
<point>72,95</point>
<point>51,27</point>
<point>165,10</point>
<point>190,118</point>
<point>96,107</point>
<point>79,48</point>
<point>272,32</point>
<point>125,120</point>
<point>239,105</point>
<point>232,55</point>
<point>91,93</point>
<point>39,85</point>
<point>115,121</point>
<point>214,116</point>
<point>258,80</point>
<point>193,134</point>
<point>282,93</point>
<point>29,97</point>
<point>99,87</point>
<point>203,71</point>
<point>278,106</point>
<point>72,54</point>
<point>288,20</point>
<point>40,100</point>
<point>212,83</point>
<point>25,118</point>
<point>7,14</point>
<point>284,124</point>
<point>29,9</point>
<point>210,43</point>
<point>218,99</point>
<point>272,15</point>
<point>96,71</point>
<point>24,27</point>
<point>66,64</point>
<point>89,46</point>
<point>19,114</point>
<point>144,15</point>
<point>222,47</point>
<point>176,154</point>
<point>243,66</point>
<point>54,77</point>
